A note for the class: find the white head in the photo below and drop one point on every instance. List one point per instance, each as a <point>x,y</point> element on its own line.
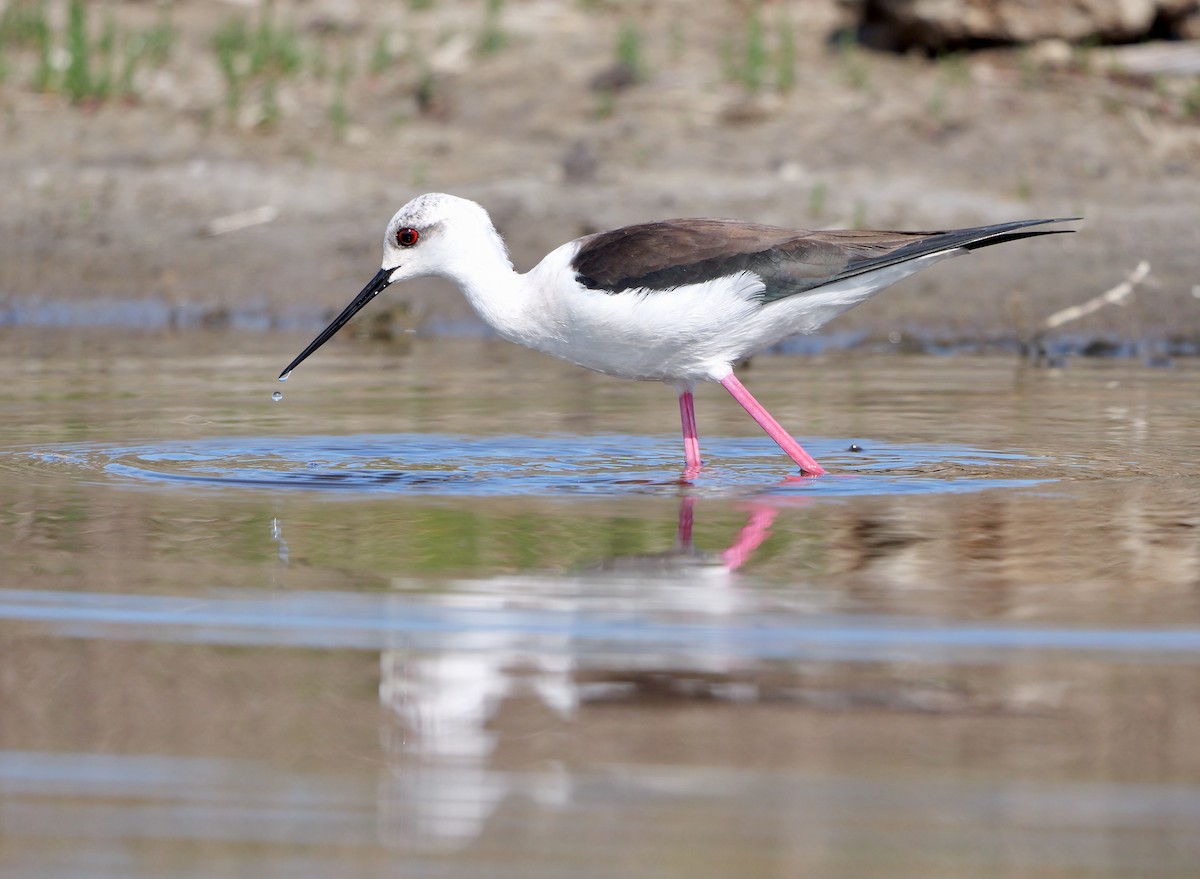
<point>434,234</point>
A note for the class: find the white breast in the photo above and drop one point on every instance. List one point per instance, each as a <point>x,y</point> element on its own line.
<point>682,334</point>
<point>692,333</point>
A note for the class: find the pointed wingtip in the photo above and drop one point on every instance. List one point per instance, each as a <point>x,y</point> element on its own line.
<point>1004,232</point>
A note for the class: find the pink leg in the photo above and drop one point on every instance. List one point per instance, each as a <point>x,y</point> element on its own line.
<point>754,532</point>
<point>773,428</point>
<point>691,442</point>
<point>687,517</point>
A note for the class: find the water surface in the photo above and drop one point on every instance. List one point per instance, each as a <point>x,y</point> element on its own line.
<point>451,610</point>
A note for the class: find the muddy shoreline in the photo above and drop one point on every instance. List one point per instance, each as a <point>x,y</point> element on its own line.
<point>109,213</point>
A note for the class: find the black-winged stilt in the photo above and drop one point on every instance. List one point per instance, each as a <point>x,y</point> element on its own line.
<point>677,301</point>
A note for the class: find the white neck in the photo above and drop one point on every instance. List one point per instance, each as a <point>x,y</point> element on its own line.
<point>499,295</point>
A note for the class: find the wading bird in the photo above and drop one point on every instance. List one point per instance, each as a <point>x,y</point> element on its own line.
<point>676,301</point>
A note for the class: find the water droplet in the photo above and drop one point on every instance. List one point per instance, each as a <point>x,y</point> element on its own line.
<point>285,376</point>
<point>277,396</point>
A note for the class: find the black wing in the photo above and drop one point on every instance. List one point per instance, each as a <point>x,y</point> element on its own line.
<point>674,253</point>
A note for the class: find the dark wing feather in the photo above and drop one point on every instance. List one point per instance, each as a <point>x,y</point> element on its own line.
<point>674,253</point>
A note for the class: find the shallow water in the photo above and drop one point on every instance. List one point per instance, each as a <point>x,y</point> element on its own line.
<point>451,610</point>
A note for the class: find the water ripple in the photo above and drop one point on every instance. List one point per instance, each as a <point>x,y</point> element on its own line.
<point>543,465</point>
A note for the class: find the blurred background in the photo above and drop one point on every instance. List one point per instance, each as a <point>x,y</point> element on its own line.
<point>233,162</point>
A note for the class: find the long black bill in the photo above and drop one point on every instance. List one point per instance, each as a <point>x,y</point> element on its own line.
<point>377,285</point>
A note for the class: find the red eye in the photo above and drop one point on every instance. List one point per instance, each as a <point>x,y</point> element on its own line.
<point>407,237</point>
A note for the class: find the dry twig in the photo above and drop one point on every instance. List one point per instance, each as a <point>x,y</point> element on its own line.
<point>1031,343</point>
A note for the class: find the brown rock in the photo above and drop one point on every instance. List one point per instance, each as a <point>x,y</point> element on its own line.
<point>938,24</point>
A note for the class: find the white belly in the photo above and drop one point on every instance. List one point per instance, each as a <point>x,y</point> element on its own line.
<point>688,334</point>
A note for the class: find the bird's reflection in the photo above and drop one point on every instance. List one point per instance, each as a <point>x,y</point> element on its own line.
<point>448,703</point>
<point>684,554</point>
<point>494,697</point>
